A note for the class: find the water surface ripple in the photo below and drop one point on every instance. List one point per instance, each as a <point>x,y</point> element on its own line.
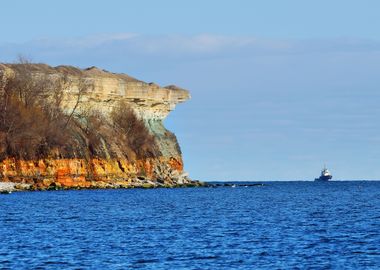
<point>278,226</point>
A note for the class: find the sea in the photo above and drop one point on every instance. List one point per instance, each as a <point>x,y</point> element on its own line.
<point>277,225</point>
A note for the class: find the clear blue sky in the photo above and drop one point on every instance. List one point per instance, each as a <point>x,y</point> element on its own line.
<point>279,87</point>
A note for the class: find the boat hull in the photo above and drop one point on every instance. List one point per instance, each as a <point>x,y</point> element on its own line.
<point>323,178</point>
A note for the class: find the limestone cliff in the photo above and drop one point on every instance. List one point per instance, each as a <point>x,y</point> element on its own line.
<point>107,164</point>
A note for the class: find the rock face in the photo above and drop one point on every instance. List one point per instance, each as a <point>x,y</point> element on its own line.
<point>150,102</point>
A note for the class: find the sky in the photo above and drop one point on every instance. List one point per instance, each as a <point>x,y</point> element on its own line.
<point>279,88</point>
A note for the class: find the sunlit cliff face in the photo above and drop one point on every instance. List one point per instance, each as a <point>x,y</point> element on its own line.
<point>103,92</point>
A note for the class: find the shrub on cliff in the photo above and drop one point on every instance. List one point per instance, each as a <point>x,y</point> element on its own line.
<point>132,131</point>
<point>27,131</point>
<point>33,124</point>
<point>31,119</point>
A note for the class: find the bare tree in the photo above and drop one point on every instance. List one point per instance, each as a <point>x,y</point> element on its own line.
<point>34,123</point>
<point>84,86</point>
<point>31,116</point>
<point>30,87</point>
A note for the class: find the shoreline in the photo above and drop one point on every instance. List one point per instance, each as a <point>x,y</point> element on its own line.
<point>9,187</point>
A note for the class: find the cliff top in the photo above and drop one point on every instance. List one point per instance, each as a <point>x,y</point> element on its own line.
<point>90,72</point>
<point>105,89</point>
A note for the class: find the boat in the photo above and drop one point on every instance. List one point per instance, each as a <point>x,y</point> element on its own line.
<point>325,176</point>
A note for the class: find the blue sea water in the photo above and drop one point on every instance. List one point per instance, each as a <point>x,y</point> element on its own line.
<point>281,225</point>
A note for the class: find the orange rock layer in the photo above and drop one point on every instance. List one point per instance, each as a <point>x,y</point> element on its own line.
<point>94,173</point>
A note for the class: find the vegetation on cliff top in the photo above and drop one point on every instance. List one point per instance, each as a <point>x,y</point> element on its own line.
<point>33,124</point>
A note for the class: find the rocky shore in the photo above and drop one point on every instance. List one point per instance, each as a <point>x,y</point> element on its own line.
<point>9,187</point>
